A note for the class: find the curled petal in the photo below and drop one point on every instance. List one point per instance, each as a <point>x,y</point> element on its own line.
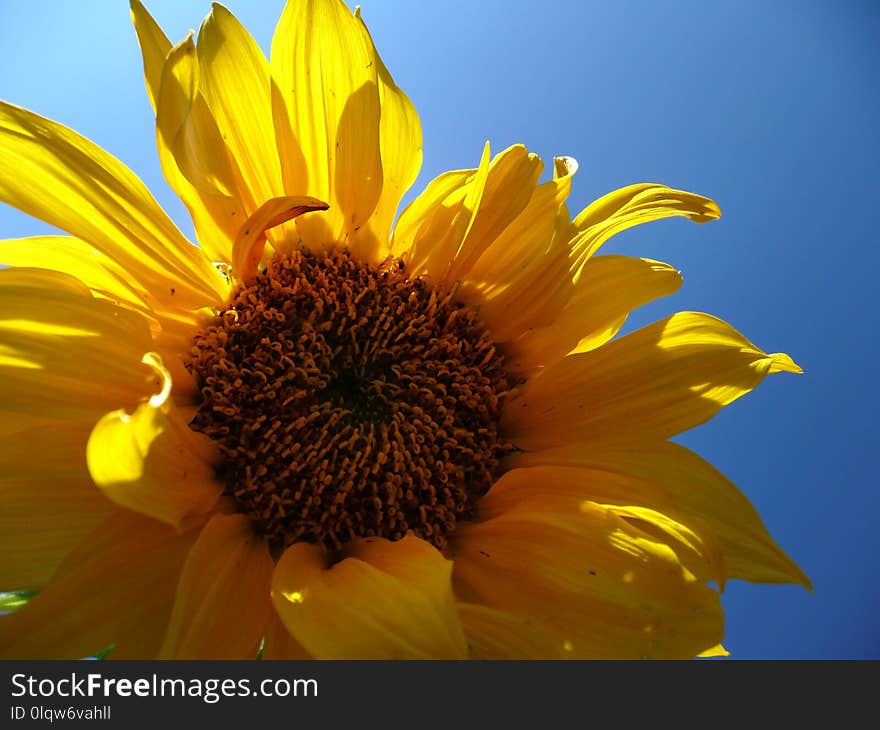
<point>151,462</point>
<point>247,251</point>
<point>389,600</point>
<point>631,206</point>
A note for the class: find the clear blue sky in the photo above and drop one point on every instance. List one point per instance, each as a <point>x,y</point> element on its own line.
<point>771,108</point>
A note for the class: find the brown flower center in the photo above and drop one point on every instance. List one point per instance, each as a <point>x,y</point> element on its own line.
<point>350,400</point>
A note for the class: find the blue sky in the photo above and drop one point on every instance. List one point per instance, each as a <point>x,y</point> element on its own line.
<point>772,109</point>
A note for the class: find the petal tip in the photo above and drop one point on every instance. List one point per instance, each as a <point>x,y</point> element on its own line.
<point>564,166</point>
<point>782,363</point>
<point>716,651</point>
<point>713,210</point>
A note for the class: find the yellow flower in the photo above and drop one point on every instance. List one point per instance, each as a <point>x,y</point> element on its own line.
<point>335,440</point>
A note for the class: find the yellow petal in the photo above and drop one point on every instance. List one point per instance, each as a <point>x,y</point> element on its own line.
<point>187,128</point>
<point>116,587</point>
<point>510,185</point>
<point>660,380</point>
<point>222,601</point>
<point>57,342</point>
<point>279,643</point>
<point>42,520</point>
<point>155,48</point>
<point>629,207</point>
<point>49,501</point>
<point>151,462</point>
<point>529,237</point>
<point>389,600</point>
<point>447,238</point>
<point>74,185</point>
<point>216,218</point>
<point>610,288</point>
<point>235,79</point>
<point>173,328</point>
<point>698,549</point>
<point>604,588</point>
<point>565,489</point>
<point>522,282</point>
<point>494,634</point>
<point>247,251</point>
<point>400,143</point>
<point>671,477</point>
<point>323,63</point>
<point>96,270</point>
<point>433,208</point>
<point>430,235</point>
<point>42,450</point>
<point>715,651</point>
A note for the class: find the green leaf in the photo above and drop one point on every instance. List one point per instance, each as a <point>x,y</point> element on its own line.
<point>14,600</point>
<point>104,652</point>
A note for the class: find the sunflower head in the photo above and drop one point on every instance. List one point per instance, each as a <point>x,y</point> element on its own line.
<point>350,401</point>
<point>333,436</point>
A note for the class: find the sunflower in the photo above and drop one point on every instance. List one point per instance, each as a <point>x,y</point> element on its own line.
<point>320,436</point>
